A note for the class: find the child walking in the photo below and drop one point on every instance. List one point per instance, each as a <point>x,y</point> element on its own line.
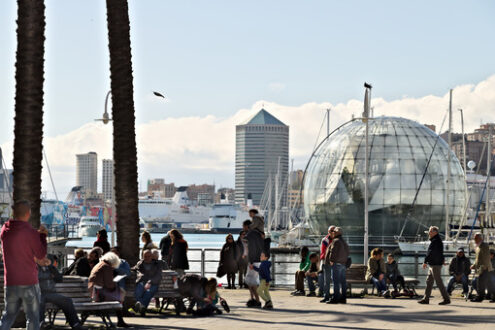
<point>265,279</point>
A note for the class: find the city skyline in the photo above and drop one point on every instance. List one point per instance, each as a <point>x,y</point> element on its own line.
<point>217,66</point>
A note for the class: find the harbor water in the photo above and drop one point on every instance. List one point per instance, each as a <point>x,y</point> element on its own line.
<point>204,254</point>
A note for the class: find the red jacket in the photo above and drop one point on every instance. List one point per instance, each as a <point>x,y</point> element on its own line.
<point>325,243</point>
<point>20,244</point>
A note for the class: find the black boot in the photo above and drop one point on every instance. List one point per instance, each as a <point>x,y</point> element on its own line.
<point>121,323</point>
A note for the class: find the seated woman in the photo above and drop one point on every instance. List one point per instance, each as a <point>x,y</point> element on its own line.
<point>210,295</point>
<point>149,275</point>
<point>301,273</point>
<point>102,286</point>
<point>48,275</point>
<point>393,274</point>
<point>376,271</point>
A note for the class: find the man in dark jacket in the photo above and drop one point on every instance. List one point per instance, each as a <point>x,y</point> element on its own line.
<point>48,275</point>
<point>459,269</point>
<point>434,260</point>
<point>20,245</point>
<point>338,255</point>
<point>149,275</point>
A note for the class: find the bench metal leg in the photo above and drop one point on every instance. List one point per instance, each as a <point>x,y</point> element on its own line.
<point>84,317</point>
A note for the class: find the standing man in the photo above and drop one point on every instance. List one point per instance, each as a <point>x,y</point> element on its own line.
<point>21,244</point>
<point>338,255</point>
<point>482,266</point>
<point>326,278</point>
<point>434,259</point>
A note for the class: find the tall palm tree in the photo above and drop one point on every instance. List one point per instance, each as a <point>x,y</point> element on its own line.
<point>28,130</point>
<point>124,135</point>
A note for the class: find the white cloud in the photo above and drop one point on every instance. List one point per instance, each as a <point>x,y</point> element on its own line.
<point>202,149</point>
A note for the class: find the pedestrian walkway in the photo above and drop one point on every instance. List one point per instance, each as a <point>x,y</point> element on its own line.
<point>309,313</point>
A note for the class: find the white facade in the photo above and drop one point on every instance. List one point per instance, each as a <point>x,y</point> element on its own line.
<point>107,179</point>
<point>87,172</point>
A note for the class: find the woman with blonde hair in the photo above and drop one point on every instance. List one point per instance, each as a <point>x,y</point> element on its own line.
<point>102,286</point>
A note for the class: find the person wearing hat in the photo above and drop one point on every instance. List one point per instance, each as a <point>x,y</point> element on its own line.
<point>459,270</point>
<point>325,278</point>
<point>434,261</point>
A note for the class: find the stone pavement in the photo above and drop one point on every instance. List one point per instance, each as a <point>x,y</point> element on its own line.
<point>303,312</point>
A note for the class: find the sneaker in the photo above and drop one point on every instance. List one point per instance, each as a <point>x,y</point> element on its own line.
<point>257,304</point>
<point>311,294</point>
<point>445,302</point>
<point>250,303</point>
<point>477,299</point>
<point>333,301</point>
<point>424,301</point>
<point>324,300</point>
<point>268,305</point>
<point>299,293</point>
<point>386,294</point>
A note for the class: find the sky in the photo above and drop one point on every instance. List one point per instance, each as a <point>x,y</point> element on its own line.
<point>219,62</point>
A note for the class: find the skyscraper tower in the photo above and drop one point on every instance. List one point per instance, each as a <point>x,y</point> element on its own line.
<point>107,179</point>
<point>262,155</point>
<point>87,173</point>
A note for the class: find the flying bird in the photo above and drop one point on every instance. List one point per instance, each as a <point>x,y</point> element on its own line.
<point>158,94</point>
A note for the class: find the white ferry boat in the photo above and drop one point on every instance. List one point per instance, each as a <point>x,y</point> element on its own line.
<point>177,210</point>
<point>89,226</point>
<point>227,217</point>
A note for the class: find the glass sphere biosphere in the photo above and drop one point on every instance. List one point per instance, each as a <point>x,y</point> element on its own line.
<point>399,151</point>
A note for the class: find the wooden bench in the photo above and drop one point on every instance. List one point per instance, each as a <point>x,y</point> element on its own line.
<point>168,290</point>
<point>356,275</point>
<point>76,288</point>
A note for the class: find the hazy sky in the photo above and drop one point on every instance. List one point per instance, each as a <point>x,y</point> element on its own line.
<point>218,61</point>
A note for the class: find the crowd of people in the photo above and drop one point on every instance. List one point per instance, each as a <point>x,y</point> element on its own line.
<point>333,259</point>
<point>31,275</point>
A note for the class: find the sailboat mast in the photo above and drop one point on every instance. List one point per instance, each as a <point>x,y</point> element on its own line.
<point>488,167</point>
<point>447,206</point>
<point>328,121</point>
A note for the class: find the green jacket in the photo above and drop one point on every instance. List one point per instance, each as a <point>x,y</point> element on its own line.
<point>375,267</point>
<point>304,264</point>
<point>482,262</point>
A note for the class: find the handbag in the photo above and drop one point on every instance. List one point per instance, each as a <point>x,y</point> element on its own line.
<point>220,271</point>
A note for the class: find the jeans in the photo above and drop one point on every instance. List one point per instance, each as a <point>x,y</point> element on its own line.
<point>381,286</point>
<point>325,279</point>
<point>29,297</point>
<point>61,302</point>
<point>339,283</point>
<point>264,291</point>
<point>144,296</point>
<point>311,283</point>
<point>464,281</point>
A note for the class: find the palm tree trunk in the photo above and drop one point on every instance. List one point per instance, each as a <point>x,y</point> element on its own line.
<point>28,130</point>
<point>124,135</point>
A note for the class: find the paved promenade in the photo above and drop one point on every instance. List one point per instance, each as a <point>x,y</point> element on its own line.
<point>302,312</point>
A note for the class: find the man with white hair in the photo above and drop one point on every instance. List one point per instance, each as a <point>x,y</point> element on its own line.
<point>325,278</point>
<point>434,260</point>
<point>482,266</point>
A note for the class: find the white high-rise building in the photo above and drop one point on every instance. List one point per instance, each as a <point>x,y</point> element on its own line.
<point>107,179</point>
<point>87,173</point>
